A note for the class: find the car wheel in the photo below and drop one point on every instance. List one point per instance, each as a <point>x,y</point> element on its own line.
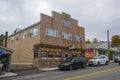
<point>70,67</point>
<point>98,64</point>
<point>84,66</point>
<point>119,63</point>
<point>107,62</point>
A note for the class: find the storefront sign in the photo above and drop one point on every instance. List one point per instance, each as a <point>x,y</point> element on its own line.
<point>1,52</point>
<point>89,53</point>
<point>51,49</point>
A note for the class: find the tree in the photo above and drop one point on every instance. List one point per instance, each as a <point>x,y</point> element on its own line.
<point>95,40</point>
<point>1,39</point>
<point>88,42</point>
<point>116,40</point>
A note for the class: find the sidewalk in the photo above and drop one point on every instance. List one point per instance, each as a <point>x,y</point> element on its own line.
<point>8,74</point>
<point>26,72</point>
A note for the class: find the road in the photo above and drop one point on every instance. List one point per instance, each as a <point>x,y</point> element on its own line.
<point>110,72</point>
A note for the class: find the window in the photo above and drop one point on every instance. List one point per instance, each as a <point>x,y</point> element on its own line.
<point>78,38</point>
<point>8,41</point>
<point>66,23</point>
<point>34,31</point>
<point>50,55</point>
<point>57,55</point>
<point>43,55</point>
<point>24,35</point>
<point>12,39</point>
<point>17,38</point>
<point>66,35</point>
<point>51,32</point>
<point>36,54</point>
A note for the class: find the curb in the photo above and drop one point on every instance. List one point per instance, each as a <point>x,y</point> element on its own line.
<point>49,69</point>
<point>8,74</point>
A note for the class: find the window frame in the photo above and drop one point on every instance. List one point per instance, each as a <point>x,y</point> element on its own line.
<point>51,32</point>
<point>24,35</point>
<point>34,31</point>
<point>67,35</point>
<point>66,23</point>
<point>78,37</point>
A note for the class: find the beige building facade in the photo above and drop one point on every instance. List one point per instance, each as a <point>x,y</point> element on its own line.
<point>46,42</point>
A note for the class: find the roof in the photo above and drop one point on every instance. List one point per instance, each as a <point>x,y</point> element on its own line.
<point>93,45</point>
<point>6,50</point>
<point>105,46</point>
<point>24,29</point>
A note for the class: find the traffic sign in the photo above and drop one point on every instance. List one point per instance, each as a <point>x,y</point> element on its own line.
<point>1,52</point>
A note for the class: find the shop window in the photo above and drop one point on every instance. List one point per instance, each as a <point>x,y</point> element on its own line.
<point>36,54</point>
<point>43,55</point>
<point>50,55</point>
<point>57,55</point>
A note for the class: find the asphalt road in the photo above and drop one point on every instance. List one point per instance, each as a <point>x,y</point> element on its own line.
<point>109,72</point>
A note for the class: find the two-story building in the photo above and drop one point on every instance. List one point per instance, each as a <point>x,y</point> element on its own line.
<point>46,42</point>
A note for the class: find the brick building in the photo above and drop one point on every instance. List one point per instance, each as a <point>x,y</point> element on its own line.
<point>44,43</point>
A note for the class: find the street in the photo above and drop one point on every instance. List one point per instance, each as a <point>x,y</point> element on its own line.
<point>110,72</point>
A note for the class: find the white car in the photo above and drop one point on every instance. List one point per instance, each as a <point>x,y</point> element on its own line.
<point>100,60</point>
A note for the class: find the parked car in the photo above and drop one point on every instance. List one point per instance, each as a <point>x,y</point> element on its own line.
<point>1,68</point>
<point>72,63</point>
<point>100,60</point>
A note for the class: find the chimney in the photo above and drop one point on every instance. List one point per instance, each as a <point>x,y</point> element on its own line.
<point>6,36</point>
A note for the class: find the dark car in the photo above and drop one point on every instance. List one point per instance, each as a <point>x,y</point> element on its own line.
<point>116,58</point>
<point>72,63</point>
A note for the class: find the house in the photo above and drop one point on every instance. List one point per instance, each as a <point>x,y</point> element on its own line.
<point>101,48</point>
<point>44,43</point>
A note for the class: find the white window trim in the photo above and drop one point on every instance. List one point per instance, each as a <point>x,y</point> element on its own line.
<point>31,34</point>
<point>24,35</point>
<point>53,35</point>
<point>68,37</point>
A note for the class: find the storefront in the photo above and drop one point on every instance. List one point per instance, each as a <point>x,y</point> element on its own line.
<point>50,55</point>
<point>5,57</point>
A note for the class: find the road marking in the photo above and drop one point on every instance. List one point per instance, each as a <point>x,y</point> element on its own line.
<point>90,74</point>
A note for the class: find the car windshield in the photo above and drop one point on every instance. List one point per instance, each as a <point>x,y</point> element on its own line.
<point>68,59</point>
<point>96,58</point>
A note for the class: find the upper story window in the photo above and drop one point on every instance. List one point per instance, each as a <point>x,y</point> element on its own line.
<point>8,41</point>
<point>12,39</point>
<point>66,23</point>
<point>24,35</point>
<point>34,31</point>
<point>66,35</point>
<point>78,38</point>
<point>17,38</point>
<point>51,32</point>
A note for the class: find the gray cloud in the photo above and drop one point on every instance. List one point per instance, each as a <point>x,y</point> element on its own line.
<point>96,16</point>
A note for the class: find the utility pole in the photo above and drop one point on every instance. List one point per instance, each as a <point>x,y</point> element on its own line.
<point>81,46</point>
<point>108,52</point>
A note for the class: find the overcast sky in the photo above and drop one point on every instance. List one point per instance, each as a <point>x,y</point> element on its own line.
<point>96,16</point>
